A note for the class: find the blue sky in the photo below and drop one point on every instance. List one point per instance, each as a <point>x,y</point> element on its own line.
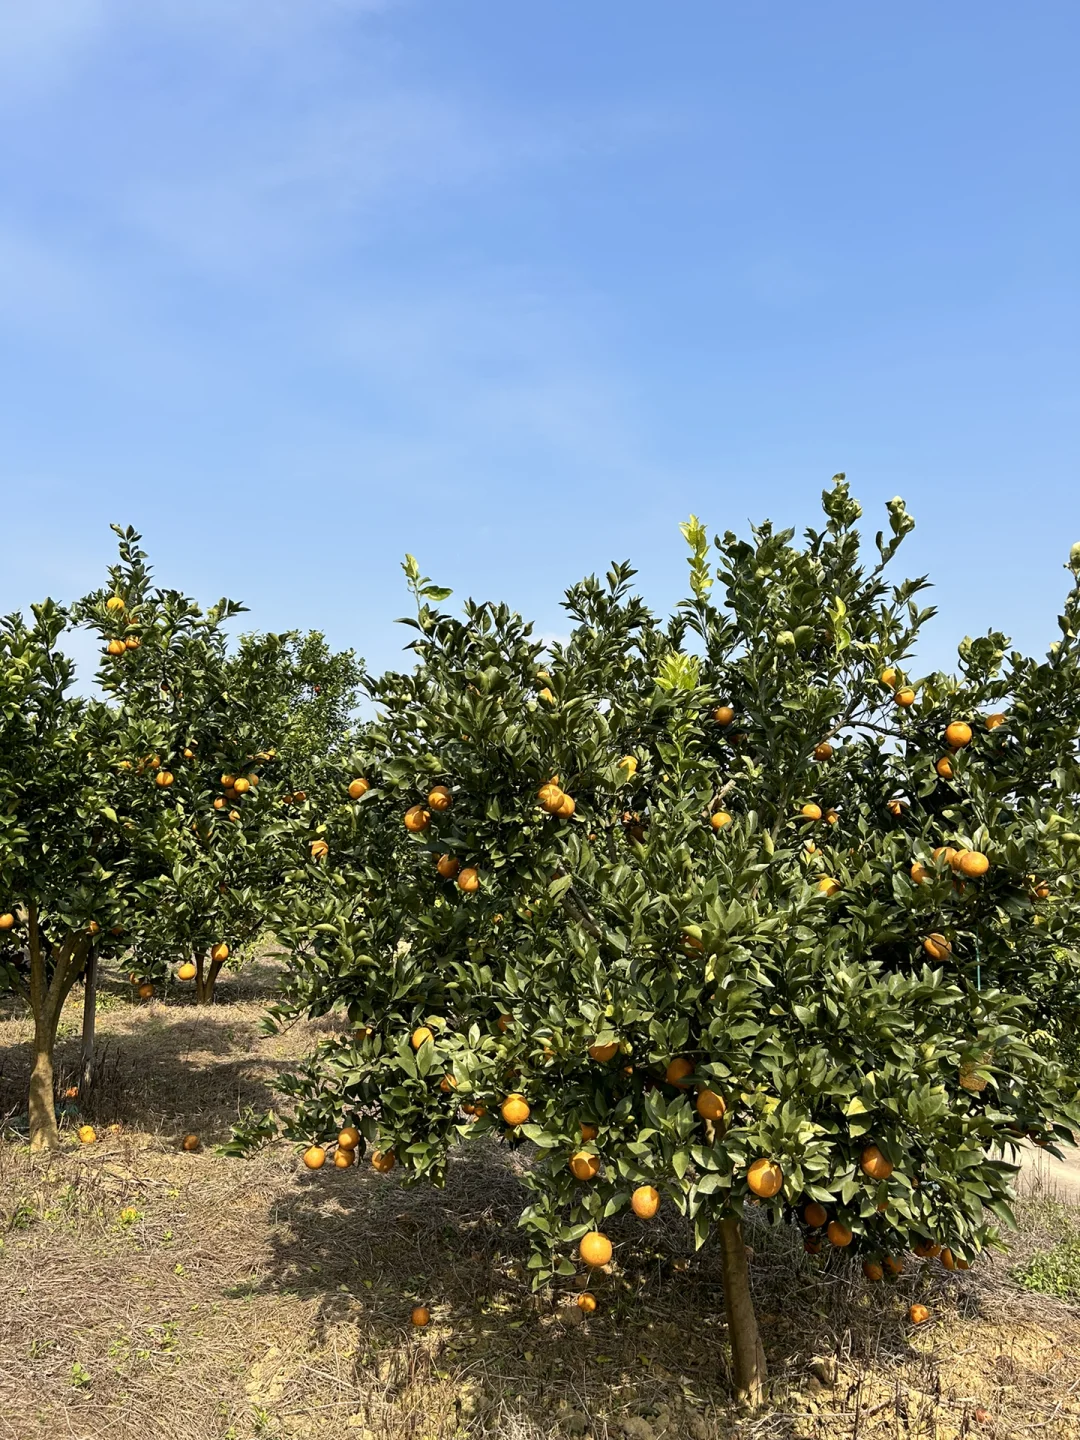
<point>295,286</point>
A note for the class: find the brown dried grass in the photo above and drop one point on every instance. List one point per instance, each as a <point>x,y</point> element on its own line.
<point>252,1299</point>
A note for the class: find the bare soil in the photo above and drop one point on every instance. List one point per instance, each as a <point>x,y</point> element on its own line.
<point>150,1293</point>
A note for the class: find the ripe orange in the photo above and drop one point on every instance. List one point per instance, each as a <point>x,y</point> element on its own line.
<point>894,1266</point>
<point>242,786</point>
<point>439,798</point>
<point>872,1270</point>
<point>723,715</point>
<point>447,866</point>
<point>765,1178</point>
<point>358,789</point>
<point>447,1083</point>
<point>918,1314</point>
<point>677,1071</point>
<point>811,811</point>
<point>87,1135</point>
<point>720,819</point>
<point>595,1248</point>
<point>515,1110</point>
<point>944,768</point>
<point>546,695</point>
<point>937,947</point>
<point>905,697</point>
<point>947,1259</point>
<point>319,849</point>
<point>348,1138</point>
<point>919,873</point>
<point>469,880</point>
<point>314,1157</point>
<point>343,1158</point>
<point>709,1105</point>
<point>815,1215</point>
<point>71,1093</point>
<point>567,808</point>
<point>588,1130</point>
<point>838,1234</point>
<point>187,971</point>
<point>189,754</point>
<point>417,819</point>
<point>228,781</point>
<point>926,1249</point>
<point>586,1302</point>
<point>946,854</point>
<point>823,751</point>
<point>420,1316</point>
<point>812,1245</point>
<point>115,603</point>
<point>219,803</point>
<point>828,886</point>
<point>831,817</point>
<point>93,928</point>
<point>220,953</point>
<point>7,920</point>
<point>146,990</point>
<point>420,1036</point>
<point>896,807</point>
<point>973,863</point>
<point>383,1161</point>
<point>873,1163</point>
<point>584,1166</point>
<point>116,647</point>
<point>190,1143</point>
<point>603,1053</point>
<point>550,797</point>
<point>888,677</point>
<point>629,765</point>
<point>993,721</point>
<point>958,734</point>
<point>645,1201</point>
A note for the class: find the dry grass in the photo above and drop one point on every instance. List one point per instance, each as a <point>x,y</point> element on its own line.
<point>252,1299</point>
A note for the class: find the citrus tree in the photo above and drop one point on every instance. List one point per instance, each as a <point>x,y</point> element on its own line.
<point>723,909</point>
<point>224,733</point>
<point>71,862</point>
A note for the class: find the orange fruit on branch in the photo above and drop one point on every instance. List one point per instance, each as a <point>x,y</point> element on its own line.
<point>584,1165</point>
<point>872,1270</point>
<point>888,677</point>
<point>709,1105</point>
<point>905,697</point>
<point>765,1178</point>
<point>439,798</point>
<point>348,1138</point>
<point>723,714</point>
<point>343,1158</point>
<point>823,751</point>
<point>645,1201</point>
<point>838,1234</point>
<point>319,849</point>
<point>358,789</point>
<point>220,953</point>
<point>874,1164</point>
<point>994,721</point>
<point>677,1071</point>
<point>944,768</point>
<point>7,921</point>
<point>815,1215</point>
<point>595,1248</point>
<point>420,1036</point>
<point>314,1157</point>
<point>469,880</point>
<point>416,819</point>
<point>586,1302</point>
<point>810,811</point>
<point>973,863</point>
<point>447,866</point>
<point>937,946</point>
<point>957,734</point>
<point>515,1110</point>
<point>383,1161</point>
<point>720,820</point>
<point>603,1053</point>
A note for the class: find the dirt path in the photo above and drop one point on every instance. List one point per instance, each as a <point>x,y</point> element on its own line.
<point>1044,1174</point>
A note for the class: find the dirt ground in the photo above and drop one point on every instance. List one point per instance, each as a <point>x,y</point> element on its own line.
<point>149,1293</point>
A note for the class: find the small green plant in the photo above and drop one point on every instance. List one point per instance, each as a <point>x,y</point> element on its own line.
<point>81,1379</point>
<point>1054,1272</point>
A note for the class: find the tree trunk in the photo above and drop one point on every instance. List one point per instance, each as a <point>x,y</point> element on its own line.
<point>47,998</point>
<point>43,1132</point>
<point>747,1356</point>
<point>205,980</point>
<point>89,1023</point>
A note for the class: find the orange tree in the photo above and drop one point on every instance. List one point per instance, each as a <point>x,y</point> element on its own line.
<point>71,858</point>
<point>224,735</point>
<point>717,910</point>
